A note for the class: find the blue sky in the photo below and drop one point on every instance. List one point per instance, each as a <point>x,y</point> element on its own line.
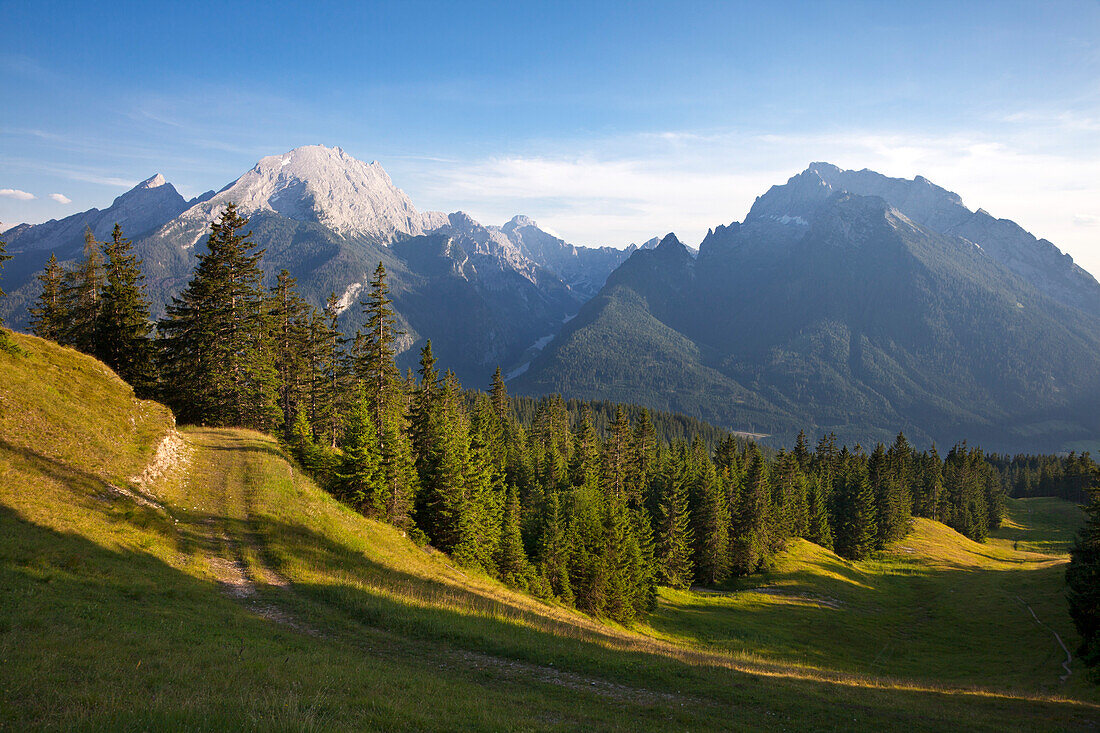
<point>608,123</point>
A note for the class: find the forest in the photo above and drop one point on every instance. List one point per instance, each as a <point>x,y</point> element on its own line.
<point>591,504</point>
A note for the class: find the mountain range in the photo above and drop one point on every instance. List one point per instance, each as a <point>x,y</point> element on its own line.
<point>856,313</point>
<point>483,294</point>
<point>846,301</point>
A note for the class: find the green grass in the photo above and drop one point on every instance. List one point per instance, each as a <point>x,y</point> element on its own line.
<point>1040,524</point>
<point>117,615</point>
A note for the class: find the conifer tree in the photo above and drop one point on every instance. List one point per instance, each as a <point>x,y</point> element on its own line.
<point>499,395</point>
<point>445,506</point>
<point>710,518</point>
<point>1083,580</point>
<point>856,533</point>
<point>624,563</point>
<point>217,355</point>
<point>424,416</point>
<point>359,475</point>
<point>673,530</point>
<point>81,288</point>
<point>123,327</point>
<point>511,559</point>
<point>585,468</point>
<point>290,317</point>
<point>554,551</point>
<point>333,378</point>
<point>588,566</point>
<point>301,441</point>
<point>750,539</point>
<point>818,530</point>
<point>616,458</point>
<point>377,366</point>
<point>48,317</point>
<point>642,464</point>
<point>4,256</point>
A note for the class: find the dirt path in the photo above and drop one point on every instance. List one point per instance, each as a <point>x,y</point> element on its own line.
<point>219,480</point>
<point>1069,657</point>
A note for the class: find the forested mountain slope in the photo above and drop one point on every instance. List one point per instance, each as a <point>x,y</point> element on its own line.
<point>833,311</point>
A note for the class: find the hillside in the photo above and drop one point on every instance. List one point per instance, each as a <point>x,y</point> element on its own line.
<point>224,590</point>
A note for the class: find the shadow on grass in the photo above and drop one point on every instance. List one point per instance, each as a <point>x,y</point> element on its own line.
<point>90,615</point>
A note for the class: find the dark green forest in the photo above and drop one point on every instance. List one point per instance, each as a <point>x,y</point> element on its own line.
<point>594,504</point>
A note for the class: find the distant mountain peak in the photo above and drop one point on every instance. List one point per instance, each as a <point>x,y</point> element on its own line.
<point>324,185</point>
<point>154,181</point>
<point>518,222</point>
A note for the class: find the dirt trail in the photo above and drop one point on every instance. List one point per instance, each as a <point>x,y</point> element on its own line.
<point>1069,657</point>
<point>230,547</point>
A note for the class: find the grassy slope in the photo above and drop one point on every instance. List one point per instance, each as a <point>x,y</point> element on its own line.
<point>247,598</point>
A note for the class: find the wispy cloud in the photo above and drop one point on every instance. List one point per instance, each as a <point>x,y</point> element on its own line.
<point>15,193</point>
<point>631,187</point>
<point>61,198</point>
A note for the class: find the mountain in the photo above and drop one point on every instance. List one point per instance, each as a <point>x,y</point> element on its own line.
<point>1036,260</point>
<point>834,311</point>
<point>483,294</point>
<point>139,211</point>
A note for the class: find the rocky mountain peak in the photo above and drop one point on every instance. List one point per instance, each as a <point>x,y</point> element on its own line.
<point>324,185</point>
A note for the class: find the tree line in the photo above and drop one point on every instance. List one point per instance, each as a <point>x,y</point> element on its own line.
<point>1064,476</point>
<point>593,504</point>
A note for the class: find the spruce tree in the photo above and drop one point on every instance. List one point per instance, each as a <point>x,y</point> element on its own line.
<point>818,530</point>
<point>48,317</point>
<point>499,395</point>
<point>445,510</point>
<point>80,293</point>
<point>123,327</point>
<point>290,320</point>
<point>554,551</point>
<point>857,533</point>
<point>377,368</point>
<point>359,475</point>
<point>1083,580</point>
<point>4,256</point>
<point>750,541</point>
<point>673,532</point>
<point>511,558</point>
<point>710,518</point>
<point>217,354</point>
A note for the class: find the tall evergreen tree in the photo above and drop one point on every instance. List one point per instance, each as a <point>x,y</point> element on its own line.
<point>1083,580</point>
<point>290,321</point>
<point>856,533</point>
<point>554,551</point>
<point>4,256</point>
<point>81,297</point>
<point>511,558</point>
<point>359,477</point>
<point>123,327</point>
<point>673,531</point>
<point>750,541</point>
<point>217,356</point>
<point>48,317</point>
<point>710,517</point>
<point>377,366</point>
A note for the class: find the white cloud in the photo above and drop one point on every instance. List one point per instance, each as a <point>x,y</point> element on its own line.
<point>61,198</point>
<point>15,193</point>
<point>638,186</point>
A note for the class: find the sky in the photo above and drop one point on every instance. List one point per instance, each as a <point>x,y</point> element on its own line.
<point>606,123</point>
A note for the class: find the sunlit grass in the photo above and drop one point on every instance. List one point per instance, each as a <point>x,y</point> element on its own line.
<point>113,615</point>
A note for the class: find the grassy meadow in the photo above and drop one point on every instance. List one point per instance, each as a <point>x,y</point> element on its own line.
<point>226,591</point>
